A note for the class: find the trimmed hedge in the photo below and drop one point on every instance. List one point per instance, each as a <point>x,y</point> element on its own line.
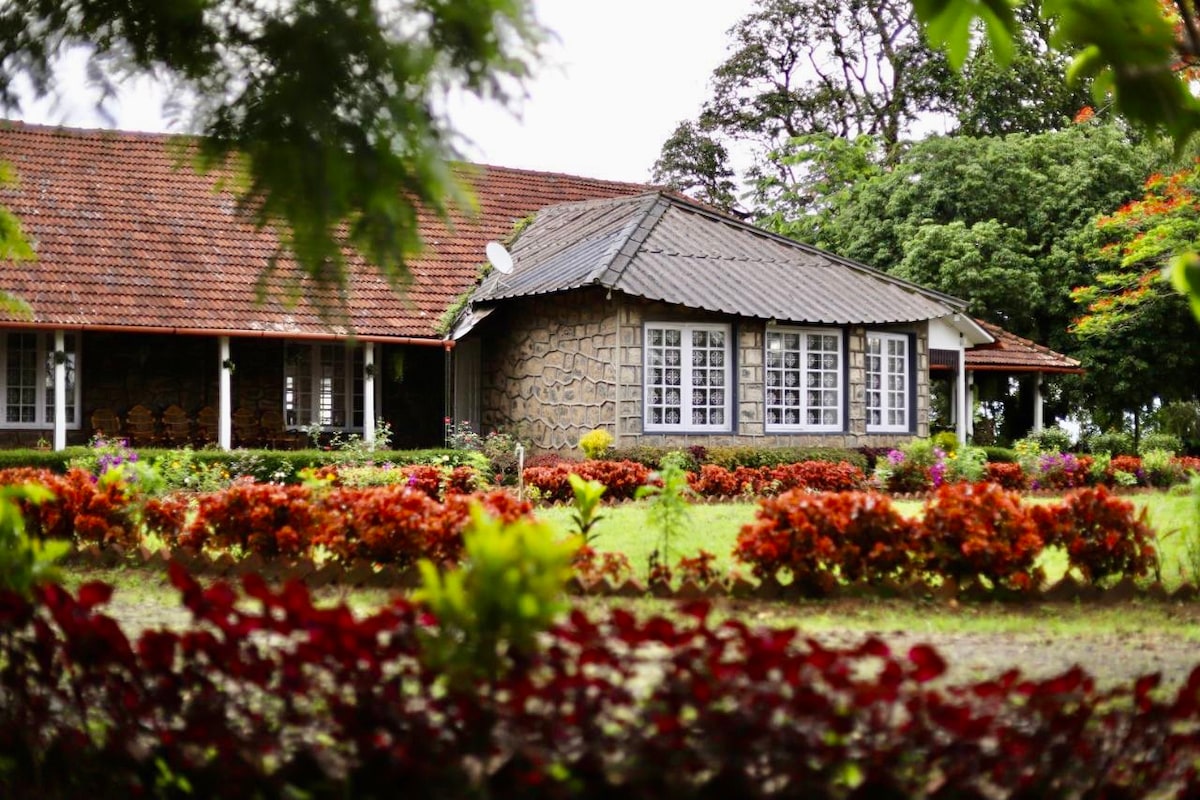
<point>280,465</point>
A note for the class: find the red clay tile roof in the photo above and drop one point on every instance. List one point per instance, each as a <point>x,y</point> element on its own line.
<point>1011,353</point>
<point>126,239</point>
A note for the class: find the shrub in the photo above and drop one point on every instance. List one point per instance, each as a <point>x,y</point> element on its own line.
<point>1101,533</point>
<point>818,538</point>
<point>1131,465</point>
<point>591,565</point>
<point>596,443</point>
<point>980,531</point>
<point>1000,455</point>
<point>819,476</point>
<point>1161,468</point>
<point>1117,443</point>
<point>349,704</point>
<point>733,457</point>
<point>1053,440</point>
<point>946,441</point>
<point>1008,476</point>
<point>1160,441</point>
<point>621,479</point>
<point>913,468</point>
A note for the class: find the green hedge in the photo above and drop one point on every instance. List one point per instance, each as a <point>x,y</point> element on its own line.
<point>741,456</point>
<point>1000,455</point>
<point>279,465</point>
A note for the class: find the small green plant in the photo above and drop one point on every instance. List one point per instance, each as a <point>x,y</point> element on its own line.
<point>1053,440</point>
<point>596,443</point>
<point>25,562</point>
<point>585,507</point>
<point>1160,441</point>
<point>1191,534</point>
<point>946,441</point>
<point>1161,469</point>
<point>668,505</point>
<point>490,610</point>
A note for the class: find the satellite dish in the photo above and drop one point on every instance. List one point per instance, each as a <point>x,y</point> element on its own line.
<point>499,258</point>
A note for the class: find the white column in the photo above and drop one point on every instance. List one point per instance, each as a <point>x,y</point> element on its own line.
<point>369,393</point>
<point>1037,402</point>
<point>961,397</point>
<point>60,391</point>
<point>225,395</point>
<point>971,406</point>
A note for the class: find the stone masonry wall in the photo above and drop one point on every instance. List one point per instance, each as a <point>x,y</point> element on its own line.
<point>549,370</point>
<point>551,373</point>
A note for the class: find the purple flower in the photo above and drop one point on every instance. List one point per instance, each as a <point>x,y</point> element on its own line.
<point>895,458</point>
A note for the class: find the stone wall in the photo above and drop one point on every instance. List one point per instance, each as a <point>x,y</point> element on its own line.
<point>549,371</point>
<point>751,415</point>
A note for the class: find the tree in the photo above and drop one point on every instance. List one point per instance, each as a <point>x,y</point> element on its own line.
<point>327,108</point>
<point>1143,56</point>
<point>841,68</point>
<point>1027,94</point>
<point>696,164</point>
<point>993,219</point>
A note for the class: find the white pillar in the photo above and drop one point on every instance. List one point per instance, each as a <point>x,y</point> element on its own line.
<point>369,393</point>
<point>961,397</point>
<point>225,395</point>
<point>971,406</point>
<point>60,391</point>
<point>1037,402</point>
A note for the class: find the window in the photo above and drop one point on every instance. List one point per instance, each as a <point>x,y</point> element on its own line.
<point>803,380</point>
<point>687,377</point>
<point>29,379</point>
<point>323,385</point>
<point>887,378</point>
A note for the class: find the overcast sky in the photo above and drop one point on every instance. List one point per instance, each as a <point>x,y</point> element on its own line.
<point>618,77</point>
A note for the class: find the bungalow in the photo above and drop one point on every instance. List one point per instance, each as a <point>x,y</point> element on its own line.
<point>627,308</point>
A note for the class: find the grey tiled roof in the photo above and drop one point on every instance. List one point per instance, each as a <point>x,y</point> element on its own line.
<point>660,246</point>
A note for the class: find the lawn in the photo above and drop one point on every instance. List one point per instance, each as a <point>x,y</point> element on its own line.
<point>714,527</point>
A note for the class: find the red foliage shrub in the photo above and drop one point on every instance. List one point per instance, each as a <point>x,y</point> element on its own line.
<point>424,478</point>
<point>818,537</point>
<point>980,530</point>
<point>1130,464</point>
<point>819,476</point>
<point>1007,475</point>
<point>1102,534</point>
<point>264,518</point>
<point>1189,464</point>
<point>713,481</point>
<point>166,515</point>
<point>591,565</point>
<point>346,705</point>
<point>700,568</point>
<point>620,478</point>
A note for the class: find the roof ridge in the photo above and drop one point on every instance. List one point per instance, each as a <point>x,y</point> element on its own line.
<point>610,275</point>
<point>686,203</point>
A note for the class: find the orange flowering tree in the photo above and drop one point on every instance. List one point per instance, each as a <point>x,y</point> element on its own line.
<point>1142,57</point>
<point>1138,240</point>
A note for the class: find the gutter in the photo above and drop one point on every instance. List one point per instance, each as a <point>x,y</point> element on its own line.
<point>232,333</point>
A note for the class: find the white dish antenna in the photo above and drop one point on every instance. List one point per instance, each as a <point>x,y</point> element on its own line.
<point>499,258</point>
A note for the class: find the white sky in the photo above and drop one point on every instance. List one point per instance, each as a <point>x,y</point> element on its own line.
<point>620,75</point>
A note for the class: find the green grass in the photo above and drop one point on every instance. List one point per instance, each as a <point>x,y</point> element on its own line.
<point>714,527</point>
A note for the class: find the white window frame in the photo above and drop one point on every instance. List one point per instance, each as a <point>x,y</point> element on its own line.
<point>44,386</point>
<point>886,390</point>
<point>776,350</point>
<point>687,404</point>
<point>346,360</point>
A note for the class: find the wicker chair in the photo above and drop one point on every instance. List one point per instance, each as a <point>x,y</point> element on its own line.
<point>105,422</point>
<point>141,428</point>
<point>275,433</point>
<point>246,432</point>
<point>206,426</point>
<point>177,427</point>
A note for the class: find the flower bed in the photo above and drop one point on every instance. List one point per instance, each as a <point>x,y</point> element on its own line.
<point>280,698</point>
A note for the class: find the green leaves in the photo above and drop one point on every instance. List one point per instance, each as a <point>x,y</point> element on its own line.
<point>949,25</point>
<point>326,110</point>
<point>25,562</point>
<point>491,610</point>
<point>1185,277</point>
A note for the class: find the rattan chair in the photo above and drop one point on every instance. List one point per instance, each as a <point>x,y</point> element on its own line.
<point>176,427</point>
<point>141,428</point>
<point>105,422</point>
